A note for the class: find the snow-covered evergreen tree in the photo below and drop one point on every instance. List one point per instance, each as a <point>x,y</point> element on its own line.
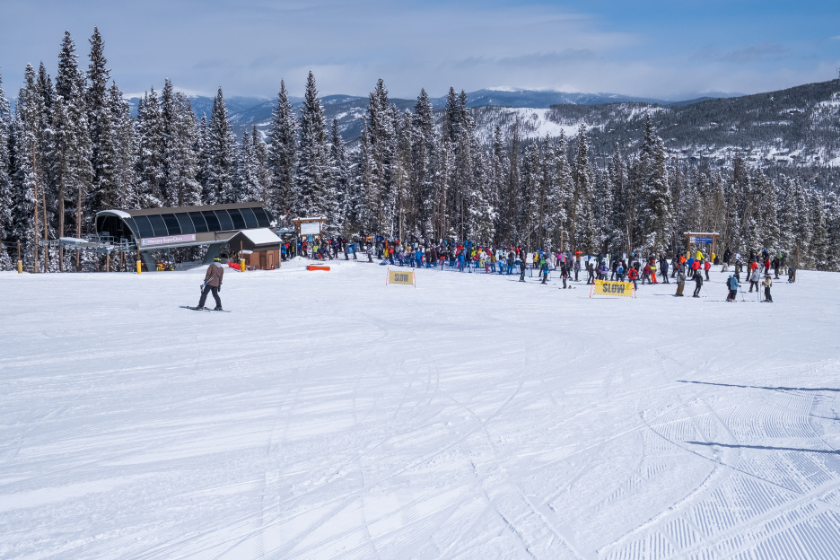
<point>655,209</point>
<point>341,178</point>
<point>5,180</point>
<point>125,141</point>
<point>151,173</point>
<point>77,174</point>
<point>283,157</point>
<point>315,171</point>
<point>220,146</point>
<point>103,193</point>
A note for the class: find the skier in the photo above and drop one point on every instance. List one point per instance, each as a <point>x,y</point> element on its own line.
<point>590,269</point>
<point>577,267</point>
<point>732,284</point>
<point>564,272</point>
<point>768,282</point>
<point>680,280</point>
<point>545,270</point>
<point>523,264</point>
<point>706,266</point>
<point>727,254</point>
<point>698,281</point>
<point>632,276</point>
<point>646,274</point>
<point>755,276</point>
<point>212,283</point>
<point>663,266</point>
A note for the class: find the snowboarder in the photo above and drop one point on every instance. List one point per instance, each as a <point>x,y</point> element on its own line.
<point>212,283</point>
<point>698,281</point>
<point>768,282</point>
<point>732,284</point>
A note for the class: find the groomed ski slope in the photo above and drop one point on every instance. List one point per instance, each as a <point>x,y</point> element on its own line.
<point>330,416</point>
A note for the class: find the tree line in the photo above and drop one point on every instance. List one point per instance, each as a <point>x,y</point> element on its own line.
<point>72,149</point>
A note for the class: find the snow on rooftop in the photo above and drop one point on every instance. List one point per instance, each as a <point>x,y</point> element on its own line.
<point>261,236</point>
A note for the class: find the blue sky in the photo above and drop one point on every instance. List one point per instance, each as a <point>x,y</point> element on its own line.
<point>669,50</point>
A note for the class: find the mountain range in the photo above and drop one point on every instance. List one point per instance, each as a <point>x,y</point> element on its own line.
<point>799,126</point>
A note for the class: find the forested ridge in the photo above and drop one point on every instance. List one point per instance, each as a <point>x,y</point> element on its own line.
<point>615,177</point>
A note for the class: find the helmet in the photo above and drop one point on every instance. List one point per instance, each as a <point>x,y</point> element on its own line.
<point>217,259</point>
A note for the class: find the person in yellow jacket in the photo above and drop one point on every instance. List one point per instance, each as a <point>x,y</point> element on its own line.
<point>699,255</point>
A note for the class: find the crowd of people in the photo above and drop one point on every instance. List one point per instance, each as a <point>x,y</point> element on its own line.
<point>508,260</point>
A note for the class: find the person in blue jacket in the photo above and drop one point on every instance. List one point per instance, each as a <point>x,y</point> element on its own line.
<point>732,284</point>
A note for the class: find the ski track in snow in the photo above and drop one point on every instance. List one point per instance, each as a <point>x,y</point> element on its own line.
<point>331,416</point>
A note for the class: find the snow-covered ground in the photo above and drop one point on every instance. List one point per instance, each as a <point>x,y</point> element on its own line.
<point>332,416</point>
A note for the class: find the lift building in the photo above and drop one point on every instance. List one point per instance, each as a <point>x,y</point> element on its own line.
<point>157,229</point>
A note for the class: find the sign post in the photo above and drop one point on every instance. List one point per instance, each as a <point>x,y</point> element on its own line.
<point>401,277</point>
<point>607,288</point>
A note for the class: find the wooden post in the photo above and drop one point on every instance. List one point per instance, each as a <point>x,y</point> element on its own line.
<point>241,258</point>
<point>107,262</point>
<point>687,243</point>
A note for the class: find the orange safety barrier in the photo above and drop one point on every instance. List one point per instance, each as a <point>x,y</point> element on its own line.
<point>316,267</point>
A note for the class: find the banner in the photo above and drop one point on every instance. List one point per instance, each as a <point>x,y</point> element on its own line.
<point>167,240</point>
<point>400,277</point>
<point>606,288</point>
<point>706,240</point>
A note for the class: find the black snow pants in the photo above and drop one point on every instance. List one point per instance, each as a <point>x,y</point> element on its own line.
<point>767,295</point>
<point>207,290</point>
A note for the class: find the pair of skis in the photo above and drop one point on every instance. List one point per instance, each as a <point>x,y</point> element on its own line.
<point>204,309</point>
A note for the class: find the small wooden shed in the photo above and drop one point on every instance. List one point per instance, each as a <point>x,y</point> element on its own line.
<point>264,247</point>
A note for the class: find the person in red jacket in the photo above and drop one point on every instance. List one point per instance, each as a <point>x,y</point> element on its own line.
<point>695,267</point>
<point>706,267</point>
<point>646,274</point>
<point>632,276</point>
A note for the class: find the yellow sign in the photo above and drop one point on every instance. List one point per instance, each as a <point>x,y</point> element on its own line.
<point>606,288</point>
<point>400,277</point>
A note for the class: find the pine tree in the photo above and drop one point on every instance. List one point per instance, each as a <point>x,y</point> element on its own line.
<point>26,214</point>
<point>341,178</point>
<point>262,170</point>
<point>379,192</point>
<point>819,236</point>
<point>179,127</point>
<point>498,182</point>
<point>150,163</point>
<point>314,173</point>
<point>5,180</point>
<point>512,231</point>
<point>103,192</point>
<point>655,210</point>
<point>529,197</point>
<point>768,210</point>
<point>221,149</point>
<point>422,136</point>
<point>833,227</point>
<point>582,218</point>
<point>77,172</point>
<point>283,156</point>
<point>125,141</point>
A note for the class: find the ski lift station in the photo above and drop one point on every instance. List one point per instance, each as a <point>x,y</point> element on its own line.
<point>160,229</point>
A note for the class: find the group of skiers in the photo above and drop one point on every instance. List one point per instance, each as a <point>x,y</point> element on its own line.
<point>469,257</point>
